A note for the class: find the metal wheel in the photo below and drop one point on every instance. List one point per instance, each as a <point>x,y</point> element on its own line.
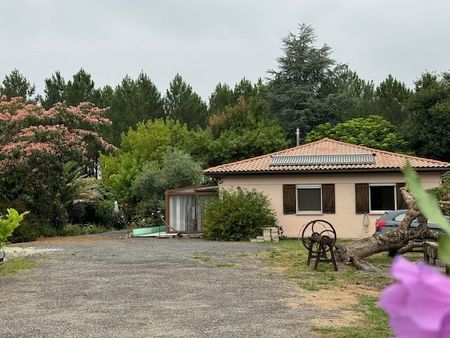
<point>311,233</point>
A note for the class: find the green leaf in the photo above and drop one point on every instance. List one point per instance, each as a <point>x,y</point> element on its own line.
<point>427,203</point>
<point>444,249</point>
<point>9,222</point>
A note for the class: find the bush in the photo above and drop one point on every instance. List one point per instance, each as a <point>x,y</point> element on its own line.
<point>72,230</point>
<point>77,212</point>
<point>177,170</point>
<point>105,214</point>
<point>95,229</point>
<point>237,215</point>
<point>27,231</point>
<point>150,210</point>
<point>47,230</point>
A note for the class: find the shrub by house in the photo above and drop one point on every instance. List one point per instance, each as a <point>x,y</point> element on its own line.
<point>237,215</point>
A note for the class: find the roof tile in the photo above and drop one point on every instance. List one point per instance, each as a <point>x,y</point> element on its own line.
<point>326,146</point>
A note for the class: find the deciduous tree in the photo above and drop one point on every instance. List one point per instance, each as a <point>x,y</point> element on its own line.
<point>34,145</point>
<point>148,143</point>
<point>373,131</point>
<point>176,169</point>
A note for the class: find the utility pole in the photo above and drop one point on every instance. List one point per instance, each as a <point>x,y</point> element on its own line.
<point>297,133</point>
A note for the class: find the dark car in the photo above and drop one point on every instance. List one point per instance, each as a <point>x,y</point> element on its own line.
<point>392,219</point>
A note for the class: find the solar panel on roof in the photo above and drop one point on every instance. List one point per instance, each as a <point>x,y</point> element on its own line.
<point>337,159</point>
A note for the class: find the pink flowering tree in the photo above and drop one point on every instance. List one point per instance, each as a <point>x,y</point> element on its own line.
<point>35,143</point>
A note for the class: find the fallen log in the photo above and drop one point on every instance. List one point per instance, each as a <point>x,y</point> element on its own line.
<point>399,240</point>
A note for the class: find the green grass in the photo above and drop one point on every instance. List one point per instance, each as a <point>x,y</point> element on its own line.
<point>13,266</point>
<point>214,264</point>
<point>289,258</point>
<point>225,265</point>
<point>97,229</point>
<point>375,323</point>
<point>77,229</point>
<point>201,258</point>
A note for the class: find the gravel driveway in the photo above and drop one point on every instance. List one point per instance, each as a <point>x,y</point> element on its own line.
<point>104,286</point>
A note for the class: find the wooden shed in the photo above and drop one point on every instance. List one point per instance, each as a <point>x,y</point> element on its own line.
<point>184,208</point>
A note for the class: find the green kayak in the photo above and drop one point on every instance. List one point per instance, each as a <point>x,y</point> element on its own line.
<point>143,232</point>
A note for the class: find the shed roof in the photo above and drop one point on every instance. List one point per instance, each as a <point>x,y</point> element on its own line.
<point>206,189</point>
<point>327,155</point>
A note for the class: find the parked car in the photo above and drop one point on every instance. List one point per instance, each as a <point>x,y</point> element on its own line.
<point>392,219</point>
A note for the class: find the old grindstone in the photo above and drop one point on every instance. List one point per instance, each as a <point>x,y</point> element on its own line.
<point>319,238</point>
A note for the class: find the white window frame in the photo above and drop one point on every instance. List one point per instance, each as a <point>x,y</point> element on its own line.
<point>308,186</point>
<point>393,185</point>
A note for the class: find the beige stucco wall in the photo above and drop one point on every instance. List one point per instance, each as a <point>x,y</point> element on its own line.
<point>348,224</point>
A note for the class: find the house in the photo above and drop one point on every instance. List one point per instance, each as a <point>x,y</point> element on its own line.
<point>348,185</point>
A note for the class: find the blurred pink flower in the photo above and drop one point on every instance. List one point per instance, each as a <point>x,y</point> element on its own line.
<point>418,304</point>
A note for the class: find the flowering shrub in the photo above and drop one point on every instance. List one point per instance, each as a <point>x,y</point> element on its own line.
<point>62,133</point>
<point>36,142</point>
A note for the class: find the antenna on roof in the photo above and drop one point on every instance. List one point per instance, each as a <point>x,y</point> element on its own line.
<point>297,133</point>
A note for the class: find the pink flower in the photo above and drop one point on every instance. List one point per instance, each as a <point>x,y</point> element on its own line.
<point>418,304</point>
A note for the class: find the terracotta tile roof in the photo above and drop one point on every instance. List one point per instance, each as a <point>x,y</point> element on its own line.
<point>383,160</point>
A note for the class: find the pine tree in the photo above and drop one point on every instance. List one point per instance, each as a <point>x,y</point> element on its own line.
<point>391,100</point>
<point>221,97</point>
<point>55,88</point>
<point>302,91</point>
<point>81,89</point>
<point>429,117</point>
<point>16,84</point>
<point>224,96</point>
<point>183,104</point>
<point>131,102</point>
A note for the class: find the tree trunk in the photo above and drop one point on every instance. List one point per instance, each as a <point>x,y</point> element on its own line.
<point>392,241</point>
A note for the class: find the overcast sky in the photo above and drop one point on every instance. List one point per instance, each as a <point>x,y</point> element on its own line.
<point>209,41</point>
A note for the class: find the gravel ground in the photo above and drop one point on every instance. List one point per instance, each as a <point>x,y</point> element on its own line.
<point>17,251</point>
<point>107,286</point>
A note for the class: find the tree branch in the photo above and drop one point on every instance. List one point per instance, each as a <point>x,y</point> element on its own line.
<point>408,247</point>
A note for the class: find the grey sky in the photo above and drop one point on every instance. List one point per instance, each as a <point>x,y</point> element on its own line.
<point>209,41</point>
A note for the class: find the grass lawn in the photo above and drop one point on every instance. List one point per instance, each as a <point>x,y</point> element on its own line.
<point>351,292</point>
<point>16,265</point>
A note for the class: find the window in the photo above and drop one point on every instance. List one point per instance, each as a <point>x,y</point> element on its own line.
<point>309,199</point>
<point>382,197</point>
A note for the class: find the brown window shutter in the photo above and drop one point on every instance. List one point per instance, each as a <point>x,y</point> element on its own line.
<point>401,204</point>
<point>362,198</point>
<point>328,199</point>
<point>289,206</point>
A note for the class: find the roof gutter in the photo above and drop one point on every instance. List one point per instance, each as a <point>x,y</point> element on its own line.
<point>319,171</point>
